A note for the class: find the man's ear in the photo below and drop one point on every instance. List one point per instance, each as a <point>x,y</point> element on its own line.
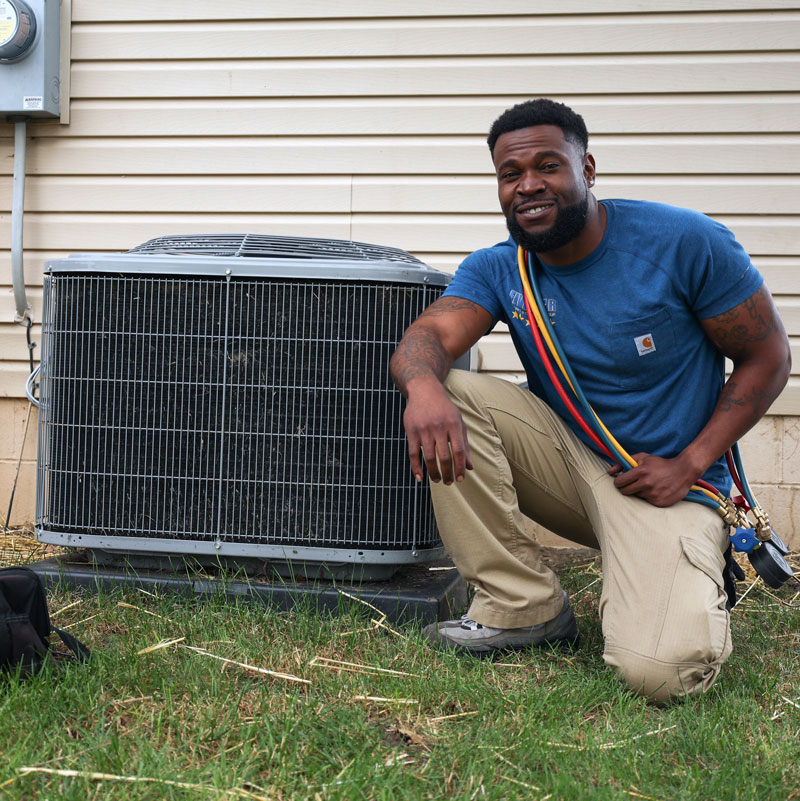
<point>589,169</point>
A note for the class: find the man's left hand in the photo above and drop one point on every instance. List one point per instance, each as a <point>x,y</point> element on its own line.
<point>662,482</point>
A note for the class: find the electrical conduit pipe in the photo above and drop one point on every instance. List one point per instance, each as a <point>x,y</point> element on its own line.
<point>24,312</point>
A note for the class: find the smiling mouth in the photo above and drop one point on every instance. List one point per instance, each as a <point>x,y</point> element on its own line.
<point>534,211</point>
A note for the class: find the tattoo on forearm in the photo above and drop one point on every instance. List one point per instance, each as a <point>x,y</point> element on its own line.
<point>728,398</point>
<point>733,397</point>
<point>420,353</point>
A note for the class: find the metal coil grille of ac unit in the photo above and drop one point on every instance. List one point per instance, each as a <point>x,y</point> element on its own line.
<point>217,408</point>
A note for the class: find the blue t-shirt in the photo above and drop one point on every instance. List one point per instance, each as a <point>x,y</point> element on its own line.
<point>627,319</point>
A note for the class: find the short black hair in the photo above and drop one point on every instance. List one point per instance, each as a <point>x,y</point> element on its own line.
<point>541,111</point>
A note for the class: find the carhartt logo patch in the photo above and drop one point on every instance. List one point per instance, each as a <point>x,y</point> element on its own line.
<point>644,344</point>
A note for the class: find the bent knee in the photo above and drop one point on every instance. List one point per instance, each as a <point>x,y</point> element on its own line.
<point>473,390</point>
<point>460,382</point>
<point>661,681</point>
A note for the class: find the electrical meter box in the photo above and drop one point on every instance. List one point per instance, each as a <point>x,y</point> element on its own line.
<point>29,58</point>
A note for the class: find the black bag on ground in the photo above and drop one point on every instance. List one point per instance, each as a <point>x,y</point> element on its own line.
<point>25,623</point>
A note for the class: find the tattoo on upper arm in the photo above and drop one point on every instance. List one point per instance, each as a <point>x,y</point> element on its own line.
<point>753,320</point>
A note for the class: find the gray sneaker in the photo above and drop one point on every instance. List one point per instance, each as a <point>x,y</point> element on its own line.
<point>474,638</point>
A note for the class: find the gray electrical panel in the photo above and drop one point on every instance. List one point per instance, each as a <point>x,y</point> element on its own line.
<point>29,58</point>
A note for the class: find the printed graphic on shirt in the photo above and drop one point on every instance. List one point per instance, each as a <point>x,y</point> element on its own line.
<point>645,344</point>
<point>519,313</point>
<point>518,302</point>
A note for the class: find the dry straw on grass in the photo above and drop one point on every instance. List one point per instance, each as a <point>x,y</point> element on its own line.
<point>143,611</point>
<point>18,546</point>
<point>354,667</point>
<point>245,666</point>
<point>639,795</point>
<point>379,699</point>
<point>525,785</point>
<point>235,792</point>
<point>377,623</point>
<point>451,717</point>
<point>64,608</point>
<point>159,646</point>
<point>778,713</point>
<point>607,746</point>
<point>78,622</point>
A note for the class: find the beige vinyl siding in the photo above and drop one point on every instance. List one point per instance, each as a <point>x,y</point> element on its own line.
<point>423,116</point>
<point>367,120</point>
<point>659,154</point>
<point>425,76</point>
<point>181,10</point>
<point>653,33</point>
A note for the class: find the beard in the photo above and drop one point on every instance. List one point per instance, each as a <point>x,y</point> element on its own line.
<point>570,221</point>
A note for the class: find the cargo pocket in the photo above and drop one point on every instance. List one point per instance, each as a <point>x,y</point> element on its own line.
<point>703,560</point>
<point>701,626</point>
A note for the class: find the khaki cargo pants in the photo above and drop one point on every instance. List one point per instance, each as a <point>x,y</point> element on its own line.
<point>665,625</point>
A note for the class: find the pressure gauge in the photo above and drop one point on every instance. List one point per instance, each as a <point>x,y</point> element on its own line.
<point>17,30</point>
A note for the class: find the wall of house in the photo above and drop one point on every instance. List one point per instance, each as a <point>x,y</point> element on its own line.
<point>364,119</point>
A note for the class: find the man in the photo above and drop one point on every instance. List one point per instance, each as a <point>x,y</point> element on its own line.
<point>646,300</point>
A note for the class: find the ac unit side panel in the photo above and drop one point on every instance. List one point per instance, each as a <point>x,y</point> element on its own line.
<point>254,412</point>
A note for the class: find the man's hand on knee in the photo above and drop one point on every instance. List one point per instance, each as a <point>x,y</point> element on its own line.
<point>435,429</point>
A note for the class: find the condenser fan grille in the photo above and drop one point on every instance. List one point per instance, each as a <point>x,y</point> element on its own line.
<point>268,246</point>
<point>224,409</point>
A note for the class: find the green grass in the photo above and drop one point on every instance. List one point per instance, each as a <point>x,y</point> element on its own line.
<point>541,724</point>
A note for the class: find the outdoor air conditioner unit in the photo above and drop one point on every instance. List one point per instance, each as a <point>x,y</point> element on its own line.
<point>229,396</point>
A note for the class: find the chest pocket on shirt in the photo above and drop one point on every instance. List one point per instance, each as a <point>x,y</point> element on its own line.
<point>644,350</point>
